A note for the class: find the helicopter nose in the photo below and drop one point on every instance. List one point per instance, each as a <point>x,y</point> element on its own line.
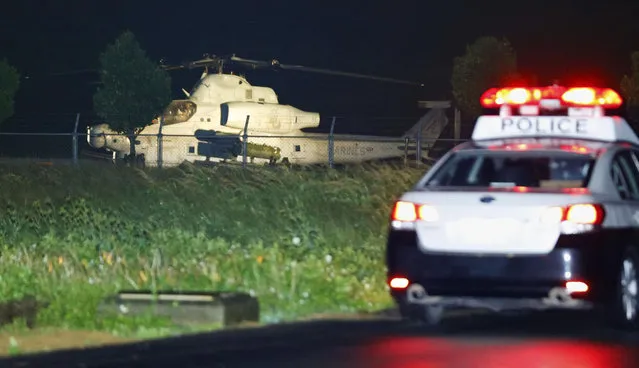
<point>96,136</point>
<point>101,136</point>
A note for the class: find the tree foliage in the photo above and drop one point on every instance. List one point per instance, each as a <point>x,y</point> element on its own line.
<point>630,89</point>
<point>488,62</point>
<point>134,90</point>
<point>9,84</point>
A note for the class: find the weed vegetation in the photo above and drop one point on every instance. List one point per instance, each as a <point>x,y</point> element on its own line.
<point>304,241</point>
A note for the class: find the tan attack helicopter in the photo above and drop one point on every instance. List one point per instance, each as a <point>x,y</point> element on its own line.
<point>224,110</point>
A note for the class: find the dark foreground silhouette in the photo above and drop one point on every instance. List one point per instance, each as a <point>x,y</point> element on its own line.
<point>549,340</point>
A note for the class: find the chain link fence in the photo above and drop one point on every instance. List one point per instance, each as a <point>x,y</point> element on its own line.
<point>343,141</point>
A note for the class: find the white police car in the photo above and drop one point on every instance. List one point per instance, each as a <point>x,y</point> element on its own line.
<point>539,210</point>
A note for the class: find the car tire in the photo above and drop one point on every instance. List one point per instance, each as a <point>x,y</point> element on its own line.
<point>433,314</point>
<point>625,304</point>
<point>429,315</point>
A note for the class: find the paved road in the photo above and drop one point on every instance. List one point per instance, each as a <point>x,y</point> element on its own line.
<point>548,341</point>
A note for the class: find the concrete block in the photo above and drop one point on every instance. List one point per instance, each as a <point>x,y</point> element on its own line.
<point>186,308</point>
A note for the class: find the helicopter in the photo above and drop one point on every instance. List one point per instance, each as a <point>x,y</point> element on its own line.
<point>226,118</point>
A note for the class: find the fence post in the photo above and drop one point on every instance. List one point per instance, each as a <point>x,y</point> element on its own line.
<point>406,143</point>
<point>457,127</point>
<point>160,140</point>
<point>418,148</point>
<point>331,145</point>
<point>74,148</point>
<point>245,141</point>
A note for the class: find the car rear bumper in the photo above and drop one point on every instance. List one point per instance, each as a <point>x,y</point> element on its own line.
<point>497,303</point>
<point>522,281</point>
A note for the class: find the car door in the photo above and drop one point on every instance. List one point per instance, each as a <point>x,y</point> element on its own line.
<point>625,175</point>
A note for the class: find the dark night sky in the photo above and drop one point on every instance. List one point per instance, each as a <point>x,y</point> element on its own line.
<point>573,41</point>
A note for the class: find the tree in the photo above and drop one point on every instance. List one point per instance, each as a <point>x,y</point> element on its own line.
<point>134,90</point>
<point>488,62</point>
<point>630,89</point>
<point>9,84</point>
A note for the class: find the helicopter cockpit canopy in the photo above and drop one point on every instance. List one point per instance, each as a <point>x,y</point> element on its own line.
<point>179,111</point>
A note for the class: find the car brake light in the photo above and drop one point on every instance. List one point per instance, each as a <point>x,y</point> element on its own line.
<point>409,212</point>
<point>585,214</point>
<point>575,191</point>
<point>575,148</point>
<point>606,98</point>
<point>576,287</point>
<point>404,211</point>
<point>398,283</point>
<point>530,146</point>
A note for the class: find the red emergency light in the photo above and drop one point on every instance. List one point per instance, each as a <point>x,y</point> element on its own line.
<point>551,97</point>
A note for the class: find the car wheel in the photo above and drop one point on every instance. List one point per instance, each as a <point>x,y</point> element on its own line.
<point>433,314</point>
<point>626,302</point>
<point>430,315</point>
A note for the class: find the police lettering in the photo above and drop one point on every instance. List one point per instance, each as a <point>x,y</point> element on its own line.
<point>545,126</point>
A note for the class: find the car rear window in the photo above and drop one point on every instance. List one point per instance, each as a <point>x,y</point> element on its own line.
<point>534,169</point>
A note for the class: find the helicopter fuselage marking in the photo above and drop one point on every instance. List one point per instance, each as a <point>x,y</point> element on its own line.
<point>353,151</point>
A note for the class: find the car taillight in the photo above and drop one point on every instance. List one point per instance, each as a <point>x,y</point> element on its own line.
<point>404,211</point>
<point>398,283</point>
<point>408,212</point>
<point>584,214</point>
<point>576,287</point>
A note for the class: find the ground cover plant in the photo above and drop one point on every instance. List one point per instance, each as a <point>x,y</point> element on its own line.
<point>304,241</point>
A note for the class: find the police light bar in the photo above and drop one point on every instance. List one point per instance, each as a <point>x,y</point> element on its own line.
<point>551,97</point>
<point>583,121</point>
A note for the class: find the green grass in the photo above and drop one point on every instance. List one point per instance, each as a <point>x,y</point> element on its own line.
<point>304,241</point>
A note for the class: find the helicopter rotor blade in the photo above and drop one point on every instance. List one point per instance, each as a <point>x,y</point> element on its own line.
<point>171,67</point>
<point>206,61</point>
<point>346,74</point>
<point>276,64</point>
<point>254,63</point>
<point>213,61</point>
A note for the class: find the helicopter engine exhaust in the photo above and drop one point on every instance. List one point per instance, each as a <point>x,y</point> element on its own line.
<point>271,118</point>
<point>101,136</point>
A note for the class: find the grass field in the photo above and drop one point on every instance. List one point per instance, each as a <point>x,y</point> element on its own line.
<point>303,241</point>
